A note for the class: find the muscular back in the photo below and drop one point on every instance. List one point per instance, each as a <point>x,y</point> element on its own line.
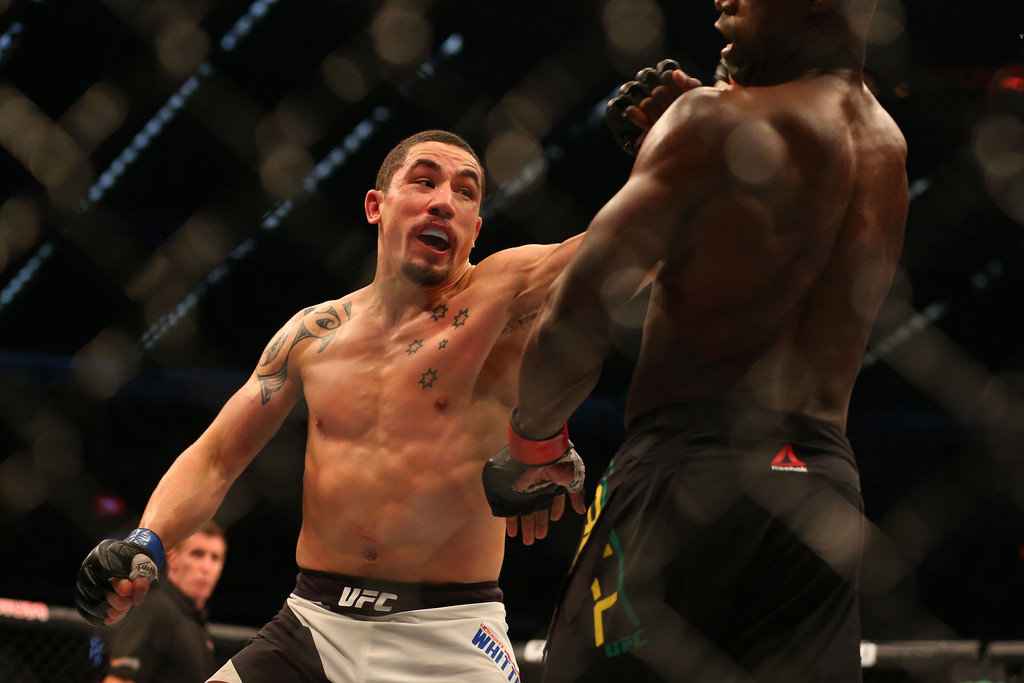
<point>771,280</point>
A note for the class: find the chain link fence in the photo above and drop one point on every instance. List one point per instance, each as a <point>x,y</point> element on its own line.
<point>42,643</point>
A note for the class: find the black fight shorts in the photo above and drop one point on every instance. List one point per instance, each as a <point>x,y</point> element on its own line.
<point>722,545</point>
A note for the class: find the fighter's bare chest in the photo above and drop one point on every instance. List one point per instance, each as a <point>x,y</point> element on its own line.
<point>443,349</point>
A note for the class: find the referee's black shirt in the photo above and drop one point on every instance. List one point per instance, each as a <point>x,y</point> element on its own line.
<point>164,640</point>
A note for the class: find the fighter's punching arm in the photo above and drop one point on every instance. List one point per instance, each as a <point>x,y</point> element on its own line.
<point>117,574</point>
<point>676,170</point>
<point>629,116</point>
<point>526,274</point>
<point>537,266</point>
<point>653,215</point>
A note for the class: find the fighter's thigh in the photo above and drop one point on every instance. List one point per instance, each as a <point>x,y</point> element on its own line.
<point>587,616</point>
<point>636,581</point>
<point>283,651</point>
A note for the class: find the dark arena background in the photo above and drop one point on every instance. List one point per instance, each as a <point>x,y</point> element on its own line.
<point>180,176</point>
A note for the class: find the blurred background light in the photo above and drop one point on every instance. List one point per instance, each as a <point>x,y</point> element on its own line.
<point>181,176</point>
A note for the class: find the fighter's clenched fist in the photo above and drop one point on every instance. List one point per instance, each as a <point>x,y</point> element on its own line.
<point>117,575</point>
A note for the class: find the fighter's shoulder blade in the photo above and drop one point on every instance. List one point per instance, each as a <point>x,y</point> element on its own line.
<point>699,119</point>
<point>708,109</point>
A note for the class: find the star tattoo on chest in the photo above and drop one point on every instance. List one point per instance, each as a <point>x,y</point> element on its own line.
<point>439,312</point>
<point>441,344</point>
<point>414,346</point>
<point>460,318</point>
<point>428,378</point>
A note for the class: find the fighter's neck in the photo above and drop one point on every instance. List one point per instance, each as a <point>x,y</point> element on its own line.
<point>396,297</point>
<point>840,60</point>
<point>846,74</point>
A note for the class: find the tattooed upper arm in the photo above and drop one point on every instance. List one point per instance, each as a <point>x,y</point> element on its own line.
<point>314,323</point>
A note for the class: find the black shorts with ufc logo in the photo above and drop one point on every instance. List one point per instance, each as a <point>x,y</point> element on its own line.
<point>722,545</point>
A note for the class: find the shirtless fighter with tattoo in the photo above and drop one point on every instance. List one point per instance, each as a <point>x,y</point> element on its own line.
<point>408,383</point>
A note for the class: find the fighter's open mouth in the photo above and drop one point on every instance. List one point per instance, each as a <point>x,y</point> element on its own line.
<point>435,238</point>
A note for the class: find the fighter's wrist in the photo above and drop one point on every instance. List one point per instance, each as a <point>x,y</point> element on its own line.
<point>536,452</point>
<point>151,542</point>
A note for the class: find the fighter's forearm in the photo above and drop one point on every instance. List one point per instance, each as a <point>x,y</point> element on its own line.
<point>187,496</point>
<point>563,359</point>
<point>193,488</point>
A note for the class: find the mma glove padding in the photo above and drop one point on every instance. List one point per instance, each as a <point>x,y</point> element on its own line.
<point>140,554</point>
<point>505,467</point>
<point>626,133</point>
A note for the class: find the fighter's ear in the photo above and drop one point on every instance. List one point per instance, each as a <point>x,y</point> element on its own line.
<point>372,204</point>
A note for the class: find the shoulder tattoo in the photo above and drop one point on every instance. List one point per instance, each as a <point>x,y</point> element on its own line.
<point>316,322</point>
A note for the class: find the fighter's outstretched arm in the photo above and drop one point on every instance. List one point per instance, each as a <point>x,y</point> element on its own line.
<point>654,215</point>
<point>679,164</point>
<point>519,479</point>
<point>118,574</point>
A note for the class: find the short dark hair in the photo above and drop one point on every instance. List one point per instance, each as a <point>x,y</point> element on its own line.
<point>396,157</point>
<point>211,528</point>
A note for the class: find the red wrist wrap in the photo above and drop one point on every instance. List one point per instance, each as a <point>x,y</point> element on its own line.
<point>545,452</point>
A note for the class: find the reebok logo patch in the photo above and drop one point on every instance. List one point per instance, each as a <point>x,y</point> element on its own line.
<point>786,461</point>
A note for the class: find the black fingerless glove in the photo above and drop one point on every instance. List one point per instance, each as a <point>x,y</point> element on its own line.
<point>626,133</point>
<point>140,554</point>
<point>505,467</point>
